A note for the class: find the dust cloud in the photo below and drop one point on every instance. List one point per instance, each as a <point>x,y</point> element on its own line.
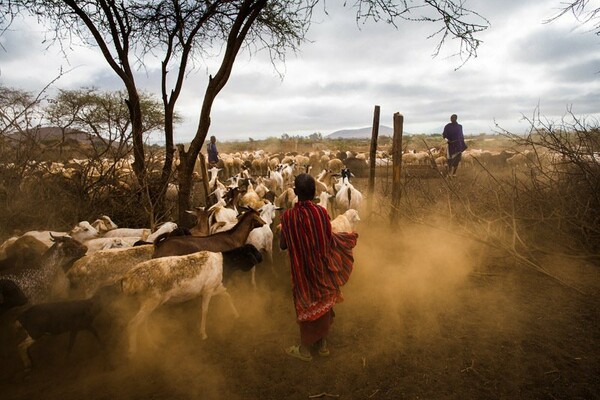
<point>409,277</point>
<point>421,302</point>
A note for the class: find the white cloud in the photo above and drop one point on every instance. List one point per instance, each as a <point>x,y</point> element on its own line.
<point>335,81</point>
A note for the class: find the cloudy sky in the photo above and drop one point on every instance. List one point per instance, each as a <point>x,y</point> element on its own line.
<point>335,81</point>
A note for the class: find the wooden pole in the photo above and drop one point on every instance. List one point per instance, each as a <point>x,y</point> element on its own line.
<point>397,167</point>
<point>373,154</point>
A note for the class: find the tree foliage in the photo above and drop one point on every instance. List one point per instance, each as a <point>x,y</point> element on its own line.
<point>104,115</point>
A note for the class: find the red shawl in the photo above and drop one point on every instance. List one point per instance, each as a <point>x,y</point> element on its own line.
<point>321,261</point>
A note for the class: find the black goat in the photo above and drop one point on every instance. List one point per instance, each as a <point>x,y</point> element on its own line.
<point>11,295</point>
<point>60,317</point>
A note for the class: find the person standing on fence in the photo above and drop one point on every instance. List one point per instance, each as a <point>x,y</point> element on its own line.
<point>453,133</point>
<point>320,263</point>
<point>213,153</point>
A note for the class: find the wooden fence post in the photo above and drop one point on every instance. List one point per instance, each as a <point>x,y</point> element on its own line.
<point>372,158</point>
<point>397,168</point>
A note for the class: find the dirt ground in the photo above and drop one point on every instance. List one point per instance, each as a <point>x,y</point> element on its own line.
<point>426,316</point>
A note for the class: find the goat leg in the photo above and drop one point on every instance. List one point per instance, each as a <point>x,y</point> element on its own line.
<point>223,290</point>
<point>146,309</point>
<point>24,352</point>
<point>205,301</point>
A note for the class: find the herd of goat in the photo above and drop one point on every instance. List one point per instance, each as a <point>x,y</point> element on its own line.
<point>55,282</point>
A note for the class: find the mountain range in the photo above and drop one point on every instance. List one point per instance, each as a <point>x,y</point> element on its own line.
<point>360,133</point>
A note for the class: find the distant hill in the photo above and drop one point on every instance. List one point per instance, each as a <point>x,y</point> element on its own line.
<point>360,133</point>
<point>51,134</point>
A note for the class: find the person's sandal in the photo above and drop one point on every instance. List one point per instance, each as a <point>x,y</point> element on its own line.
<point>323,350</point>
<point>294,351</point>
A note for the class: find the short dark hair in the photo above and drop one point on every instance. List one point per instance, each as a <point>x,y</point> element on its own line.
<point>453,117</point>
<point>304,187</point>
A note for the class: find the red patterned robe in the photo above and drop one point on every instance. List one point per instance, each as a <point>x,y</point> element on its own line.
<point>321,262</point>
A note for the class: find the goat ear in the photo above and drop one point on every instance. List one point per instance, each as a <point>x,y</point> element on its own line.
<point>190,212</point>
<point>244,208</point>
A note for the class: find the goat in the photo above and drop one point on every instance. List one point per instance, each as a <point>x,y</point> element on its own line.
<point>105,267</point>
<point>106,243</point>
<point>251,199</point>
<point>177,279</point>
<point>164,228</point>
<point>287,199</point>
<point>60,317</point>
<point>335,165</point>
<point>262,237</point>
<point>345,222</point>
<point>84,231</point>
<point>326,201</point>
<point>22,252</point>
<point>347,196</point>
<point>48,280</point>
<point>140,233</point>
<point>11,295</point>
<point>221,241</point>
<point>221,218</point>
<point>104,224</point>
<point>202,227</point>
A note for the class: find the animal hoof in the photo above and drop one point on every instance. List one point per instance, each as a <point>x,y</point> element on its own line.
<point>204,336</point>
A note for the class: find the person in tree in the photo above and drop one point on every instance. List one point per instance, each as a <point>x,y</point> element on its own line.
<point>321,262</point>
<point>453,133</point>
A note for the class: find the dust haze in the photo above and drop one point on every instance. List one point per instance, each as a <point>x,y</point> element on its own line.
<point>423,307</point>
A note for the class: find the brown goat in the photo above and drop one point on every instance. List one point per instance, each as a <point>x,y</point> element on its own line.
<point>202,227</point>
<point>219,242</point>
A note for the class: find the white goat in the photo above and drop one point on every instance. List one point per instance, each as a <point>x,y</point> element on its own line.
<point>164,228</point>
<point>325,200</point>
<point>139,233</point>
<point>221,218</point>
<point>345,222</point>
<point>104,224</point>
<point>105,243</point>
<point>262,238</point>
<point>347,197</point>
<point>83,231</point>
<point>177,279</point>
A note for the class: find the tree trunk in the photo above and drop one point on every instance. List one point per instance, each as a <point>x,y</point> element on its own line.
<point>244,20</point>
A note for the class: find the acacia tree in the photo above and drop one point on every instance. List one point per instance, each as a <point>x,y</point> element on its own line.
<point>181,32</point>
<point>105,117</point>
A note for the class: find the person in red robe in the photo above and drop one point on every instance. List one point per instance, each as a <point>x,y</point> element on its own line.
<point>321,262</point>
